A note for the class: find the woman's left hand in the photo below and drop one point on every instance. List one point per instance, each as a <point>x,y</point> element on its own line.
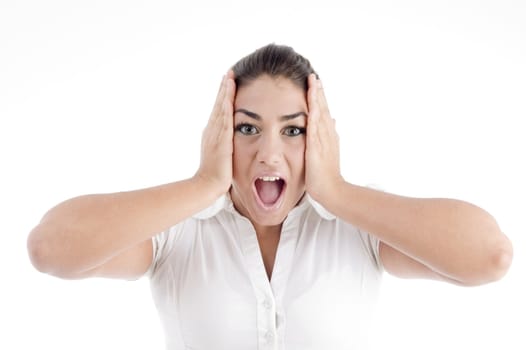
<point>322,152</point>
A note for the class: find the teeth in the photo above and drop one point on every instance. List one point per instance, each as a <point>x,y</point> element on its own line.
<point>269,178</point>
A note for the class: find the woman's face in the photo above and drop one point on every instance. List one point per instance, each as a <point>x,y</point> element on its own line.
<point>270,120</point>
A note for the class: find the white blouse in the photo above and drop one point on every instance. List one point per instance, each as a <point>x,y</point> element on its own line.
<point>210,287</point>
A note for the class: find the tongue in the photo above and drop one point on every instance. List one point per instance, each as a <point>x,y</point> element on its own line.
<point>268,191</point>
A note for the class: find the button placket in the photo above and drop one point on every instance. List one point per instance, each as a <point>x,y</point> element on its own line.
<point>266,318</point>
<point>281,273</point>
<point>266,310</point>
<point>267,304</point>
<point>269,336</point>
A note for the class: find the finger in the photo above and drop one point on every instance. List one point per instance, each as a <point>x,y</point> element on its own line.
<point>322,117</point>
<point>322,100</point>
<point>230,89</point>
<point>227,110</point>
<point>334,132</point>
<point>312,99</point>
<point>314,110</point>
<point>222,115</point>
<point>327,124</point>
<point>314,139</point>
<point>219,98</point>
<point>230,86</point>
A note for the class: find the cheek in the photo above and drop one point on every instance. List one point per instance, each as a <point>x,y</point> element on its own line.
<point>296,156</point>
<point>241,155</point>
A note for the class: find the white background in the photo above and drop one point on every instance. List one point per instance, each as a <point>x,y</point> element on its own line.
<point>103,96</point>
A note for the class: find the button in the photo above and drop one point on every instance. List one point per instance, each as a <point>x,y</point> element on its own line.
<point>267,304</point>
<point>269,337</point>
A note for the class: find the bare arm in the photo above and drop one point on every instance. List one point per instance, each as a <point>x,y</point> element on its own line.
<point>435,238</point>
<point>110,234</point>
<point>83,233</point>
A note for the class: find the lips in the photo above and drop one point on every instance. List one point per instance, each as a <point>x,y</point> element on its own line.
<point>269,190</point>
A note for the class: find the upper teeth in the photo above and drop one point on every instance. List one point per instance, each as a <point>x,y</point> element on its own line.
<point>269,178</point>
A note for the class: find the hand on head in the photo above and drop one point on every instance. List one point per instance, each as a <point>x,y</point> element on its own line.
<point>322,163</point>
<point>216,143</point>
<point>322,151</point>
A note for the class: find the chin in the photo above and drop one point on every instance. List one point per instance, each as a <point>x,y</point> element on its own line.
<point>270,209</point>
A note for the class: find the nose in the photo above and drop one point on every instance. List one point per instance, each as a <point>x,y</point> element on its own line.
<point>270,149</point>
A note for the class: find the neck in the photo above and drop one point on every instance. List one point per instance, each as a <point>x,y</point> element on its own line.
<point>264,232</point>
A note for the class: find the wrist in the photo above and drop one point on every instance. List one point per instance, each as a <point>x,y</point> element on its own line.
<point>210,186</point>
<point>330,193</point>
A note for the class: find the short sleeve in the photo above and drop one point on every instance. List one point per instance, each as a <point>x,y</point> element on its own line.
<point>372,242</point>
<point>372,245</point>
<point>162,245</point>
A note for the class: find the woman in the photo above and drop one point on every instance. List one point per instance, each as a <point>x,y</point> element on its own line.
<point>267,245</point>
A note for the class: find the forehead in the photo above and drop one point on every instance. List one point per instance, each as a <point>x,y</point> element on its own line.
<point>268,96</point>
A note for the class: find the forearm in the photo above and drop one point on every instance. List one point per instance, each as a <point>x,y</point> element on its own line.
<point>84,232</point>
<point>451,237</point>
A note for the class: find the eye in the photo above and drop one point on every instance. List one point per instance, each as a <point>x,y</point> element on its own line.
<point>293,131</point>
<point>246,129</point>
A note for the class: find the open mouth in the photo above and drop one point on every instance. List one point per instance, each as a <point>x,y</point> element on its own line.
<point>269,190</point>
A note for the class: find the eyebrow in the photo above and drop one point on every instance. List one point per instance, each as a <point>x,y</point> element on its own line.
<point>258,117</point>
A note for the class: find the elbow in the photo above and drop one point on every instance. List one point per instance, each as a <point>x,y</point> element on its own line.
<point>42,254</point>
<point>501,258</point>
<point>494,253</point>
<point>495,264</point>
<point>38,251</point>
<point>45,255</point>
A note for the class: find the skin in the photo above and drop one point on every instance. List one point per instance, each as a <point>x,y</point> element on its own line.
<point>268,144</point>
<point>109,235</point>
<point>444,239</point>
<point>270,118</point>
<point>435,238</point>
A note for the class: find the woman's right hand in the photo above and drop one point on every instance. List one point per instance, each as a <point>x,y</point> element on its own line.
<point>217,142</point>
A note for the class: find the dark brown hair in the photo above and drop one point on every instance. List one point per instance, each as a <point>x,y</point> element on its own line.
<point>276,61</point>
